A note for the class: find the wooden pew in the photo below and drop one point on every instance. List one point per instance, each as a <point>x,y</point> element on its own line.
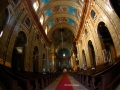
<point>33,81</point>
<point>108,79</point>
<point>9,83</point>
<point>24,83</point>
<point>92,78</point>
<point>43,79</point>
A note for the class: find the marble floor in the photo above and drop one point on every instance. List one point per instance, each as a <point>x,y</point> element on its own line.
<point>76,85</point>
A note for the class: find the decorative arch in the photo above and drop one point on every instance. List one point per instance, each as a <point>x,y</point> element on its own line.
<point>71,28</point>
<point>84,60</point>
<point>92,54</point>
<point>61,15</point>
<point>71,3</point>
<point>19,51</point>
<point>35,59</point>
<point>106,42</point>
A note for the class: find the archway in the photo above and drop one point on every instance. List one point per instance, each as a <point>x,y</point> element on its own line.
<point>84,60</point>
<point>35,59</point>
<point>92,54</point>
<point>3,19</point>
<point>18,54</point>
<point>116,6</point>
<point>106,43</point>
<point>44,64</point>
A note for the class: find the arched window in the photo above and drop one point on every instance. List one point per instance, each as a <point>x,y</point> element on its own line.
<point>3,20</point>
<point>16,1</point>
<point>116,6</point>
<point>44,46</point>
<point>93,14</point>
<point>27,21</point>
<point>86,32</point>
<point>37,36</point>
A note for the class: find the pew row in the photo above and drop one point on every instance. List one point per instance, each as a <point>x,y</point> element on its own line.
<point>102,78</point>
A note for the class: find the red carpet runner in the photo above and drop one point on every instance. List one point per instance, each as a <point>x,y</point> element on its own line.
<point>64,83</point>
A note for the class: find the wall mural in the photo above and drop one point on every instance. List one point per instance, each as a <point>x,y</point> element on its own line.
<point>45,1</point>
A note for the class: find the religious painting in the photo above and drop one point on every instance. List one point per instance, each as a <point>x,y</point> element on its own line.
<point>58,9</point>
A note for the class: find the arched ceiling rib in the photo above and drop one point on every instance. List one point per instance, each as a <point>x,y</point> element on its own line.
<point>61,2</point>
<point>71,28</point>
<point>61,15</point>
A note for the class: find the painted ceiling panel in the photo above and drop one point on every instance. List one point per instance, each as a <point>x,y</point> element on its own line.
<point>61,3</point>
<point>61,15</point>
<point>45,1</point>
<point>61,20</point>
<point>60,9</point>
<point>48,13</point>
<point>71,10</point>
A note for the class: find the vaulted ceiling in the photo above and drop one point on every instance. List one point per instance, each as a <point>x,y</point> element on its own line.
<point>61,14</point>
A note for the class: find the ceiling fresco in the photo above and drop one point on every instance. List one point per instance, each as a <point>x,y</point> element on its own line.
<point>60,9</point>
<point>61,14</point>
<point>64,10</point>
<point>61,20</point>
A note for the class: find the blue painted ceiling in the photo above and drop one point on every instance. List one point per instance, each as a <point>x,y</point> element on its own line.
<point>61,51</point>
<point>63,19</point>
<point>67,9</point>
<point>60,9</point>
<point>45,1</point>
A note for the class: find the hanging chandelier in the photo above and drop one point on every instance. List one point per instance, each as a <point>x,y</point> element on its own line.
<point>63,53</point>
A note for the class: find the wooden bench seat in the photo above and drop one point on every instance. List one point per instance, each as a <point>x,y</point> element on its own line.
<point>24,83</point>
<point>8,82</point>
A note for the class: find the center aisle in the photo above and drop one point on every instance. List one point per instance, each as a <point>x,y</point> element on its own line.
<point>64,83</point>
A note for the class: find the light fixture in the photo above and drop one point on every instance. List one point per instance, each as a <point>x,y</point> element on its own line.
<point>62,43</point>
<point>1,33</point>
<point>63,54</point>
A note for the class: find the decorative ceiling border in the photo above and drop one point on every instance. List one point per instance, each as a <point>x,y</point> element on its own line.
<point>55,3</point>
<point>63,25</point>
